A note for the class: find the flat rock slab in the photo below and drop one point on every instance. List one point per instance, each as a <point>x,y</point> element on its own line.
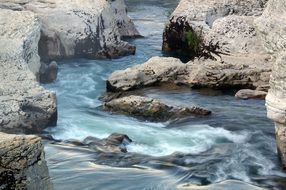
<point>227,72</point>
<point>151,109</point>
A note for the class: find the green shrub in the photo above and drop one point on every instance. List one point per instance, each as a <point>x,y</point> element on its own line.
<point>193,41</point>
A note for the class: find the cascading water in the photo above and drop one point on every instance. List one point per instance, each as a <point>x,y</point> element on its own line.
<point>236,142</point>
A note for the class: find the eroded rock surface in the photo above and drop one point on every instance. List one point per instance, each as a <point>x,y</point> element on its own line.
<point>194,19</point>
<point>24,105</point>
<point>228,72</point>
<point>90,28</point>
<point>22,163</point>
<point>271,26</point>
<point>154,71</point>
<point>151,109</point>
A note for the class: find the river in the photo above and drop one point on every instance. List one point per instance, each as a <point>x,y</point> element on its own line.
<point>236,145</point>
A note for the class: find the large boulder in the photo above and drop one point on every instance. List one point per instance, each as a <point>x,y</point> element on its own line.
<point>192,20</point>
<point>151,109</point>
<point>227,72</point>
<point>89,28</point>
<point>22,163</point>
<point>154,71</point>
<point>24,105</point>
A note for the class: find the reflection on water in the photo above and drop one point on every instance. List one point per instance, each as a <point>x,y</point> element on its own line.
<point>236,142</point>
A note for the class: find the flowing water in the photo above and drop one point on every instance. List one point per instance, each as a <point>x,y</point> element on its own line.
<point>236,143</point>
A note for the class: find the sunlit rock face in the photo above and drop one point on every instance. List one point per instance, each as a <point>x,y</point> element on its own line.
<point>25,106</point>
<point>77,28</point>
<point>22,164</point>
<point>200,17</point>
<point>271,26</point>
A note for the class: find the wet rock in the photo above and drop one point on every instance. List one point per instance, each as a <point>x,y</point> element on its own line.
<point>115,143</point>
<point>22,163</point>
<point>151,109</point>
<point>250,94</point>
<point>94,28</point>
<point>48,72</point>
<point>24,105</point>
<point>227,72</point>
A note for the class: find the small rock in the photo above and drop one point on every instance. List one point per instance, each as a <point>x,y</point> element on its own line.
<point>115,143</point>
<point>246,94</point>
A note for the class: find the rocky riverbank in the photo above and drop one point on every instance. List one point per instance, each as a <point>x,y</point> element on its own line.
<point>34,32</point>
<point>80,29</point>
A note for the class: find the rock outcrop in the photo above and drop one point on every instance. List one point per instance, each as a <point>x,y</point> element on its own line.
<point>151,109</point>
<point>271,26</point>
<point>89,29</point>
<point>193,20</point>
<point>24,105</point>
<point>229,72</point>
<point>22,163</point>
<point>221,39</point>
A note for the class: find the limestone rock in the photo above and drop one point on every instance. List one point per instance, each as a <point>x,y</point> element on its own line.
<point>271,27</point>
<point>199,16</point>
<point>151,109</point>
<point>154,71</point>
<point>22,163</point>
<point>89,29</point>
<point>228,72</point>
<point>250,94</point>
<point>24,105</point>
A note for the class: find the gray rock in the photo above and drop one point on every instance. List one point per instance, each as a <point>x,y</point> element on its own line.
<point>48,72</point>
<point>228,72</point>
<point>198,17</point>
<point>246,94</point>
<point>89,29</point>
<point>154,71</point>
<point>24,105</point>
<point>115,143</point>
<point>151,109</point>
<point>271,27</point>
<point>22,163</point>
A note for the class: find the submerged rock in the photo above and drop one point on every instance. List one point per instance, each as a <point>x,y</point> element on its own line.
<point>89,29</point>
<point>115,143</point>
<point>24,105</point>
<point>151,109</point>
<point>250,94</point>
<point>22,163</point>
